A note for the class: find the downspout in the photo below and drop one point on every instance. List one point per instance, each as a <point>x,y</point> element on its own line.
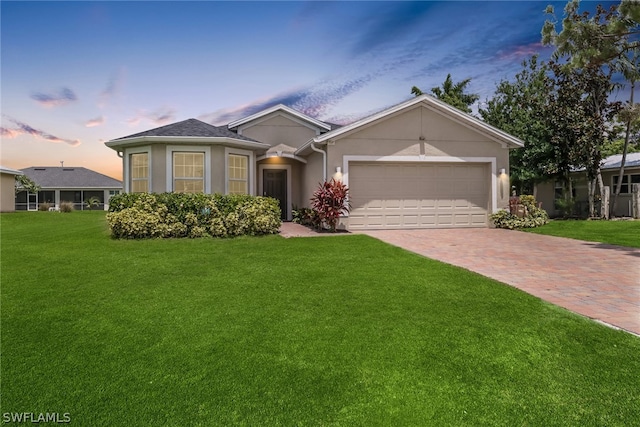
<point>324,161</point>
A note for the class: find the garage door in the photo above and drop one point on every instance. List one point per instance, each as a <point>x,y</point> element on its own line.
<point>418,195</point>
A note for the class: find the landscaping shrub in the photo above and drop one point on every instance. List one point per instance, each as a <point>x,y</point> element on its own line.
<point>329,201</point>
<point>148,215</point>
<point>66,207</point>
<point>532,215</point>
<point>304,216</point>
<point>44,207</point>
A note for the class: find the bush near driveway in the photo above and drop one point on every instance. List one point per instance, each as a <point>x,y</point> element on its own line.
<point>148,215</point>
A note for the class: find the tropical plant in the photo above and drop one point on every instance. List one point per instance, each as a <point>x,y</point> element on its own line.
<point>329,202</point>
<point>92,202</point>
<point>303,216</point>
<point>24,183</point>
<point>452,93</point>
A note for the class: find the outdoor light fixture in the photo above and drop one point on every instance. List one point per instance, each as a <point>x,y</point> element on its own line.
<point>338,169</point>
<point>502,171</point>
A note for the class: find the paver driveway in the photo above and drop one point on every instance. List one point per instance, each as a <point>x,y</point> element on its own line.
<point>593,279</point>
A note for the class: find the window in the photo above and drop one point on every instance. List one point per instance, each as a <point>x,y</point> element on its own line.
<point>140,173</point>
<point>627,180</point>
<point>188,172</point>
<point>238,178</point>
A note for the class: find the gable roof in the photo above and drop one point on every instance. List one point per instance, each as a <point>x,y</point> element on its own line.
<point>432,103</point>
<point>69,177</point>
<point>187,131</point>
<point>280,107</point>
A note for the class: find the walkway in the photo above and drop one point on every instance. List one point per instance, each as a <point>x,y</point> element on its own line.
<point>596,280</point>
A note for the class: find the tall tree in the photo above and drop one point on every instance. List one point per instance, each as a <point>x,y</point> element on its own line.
<point>452,93</point>
<point>595,47</point>
<point>520,108</point>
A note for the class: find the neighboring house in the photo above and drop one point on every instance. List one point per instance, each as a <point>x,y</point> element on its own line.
<point>7,188</point>
<point>550,191</point>
<point>67,184</point>
<point>418,164</point>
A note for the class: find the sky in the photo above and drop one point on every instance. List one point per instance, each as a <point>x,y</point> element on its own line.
<point>77,74</point>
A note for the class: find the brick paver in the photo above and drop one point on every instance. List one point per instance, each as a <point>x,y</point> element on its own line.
<point>596,280</point>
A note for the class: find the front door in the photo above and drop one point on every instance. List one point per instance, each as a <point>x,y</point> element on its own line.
<point>274,183</point>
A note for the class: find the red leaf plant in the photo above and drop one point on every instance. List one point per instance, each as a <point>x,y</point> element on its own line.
<point>329,201</point>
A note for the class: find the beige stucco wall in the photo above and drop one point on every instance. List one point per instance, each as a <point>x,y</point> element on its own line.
<point>311,177</point>
<point>278,129</point>
<point>422,132</point>
<point>159,168</point>
<point>7,188</point>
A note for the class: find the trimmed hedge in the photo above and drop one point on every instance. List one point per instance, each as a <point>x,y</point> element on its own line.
<point>149,215</point>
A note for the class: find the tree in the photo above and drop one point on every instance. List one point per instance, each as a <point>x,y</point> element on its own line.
<point>595,47</point>
<point>520,108</point>
<point>452,94</point>
<point>24,183</point>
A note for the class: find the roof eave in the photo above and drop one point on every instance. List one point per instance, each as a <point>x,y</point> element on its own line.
<point>480,126</point>
<point>275,108</point>
<point>205,140</point>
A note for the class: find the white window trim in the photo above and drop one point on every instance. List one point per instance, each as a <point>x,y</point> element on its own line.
<point>287,168</point>
<point>127,166</point>
<point>189,149</point>
<point>251,168</point>
<point>429,159</point>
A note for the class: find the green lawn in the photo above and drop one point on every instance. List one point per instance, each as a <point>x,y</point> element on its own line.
<point>622,233</point>
<point>336,330</point>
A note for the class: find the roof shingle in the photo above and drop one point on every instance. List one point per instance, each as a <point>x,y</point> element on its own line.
<point>190,127</point>
<point>69,177</point>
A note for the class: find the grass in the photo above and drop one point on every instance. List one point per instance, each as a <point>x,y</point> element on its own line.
<point>336,330</point>
<point>621,233</point>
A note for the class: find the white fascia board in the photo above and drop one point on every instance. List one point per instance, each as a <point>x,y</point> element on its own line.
<point>186,140</point>
<point>275,108</point>
<point>442,107</point>
<point>10,171</point>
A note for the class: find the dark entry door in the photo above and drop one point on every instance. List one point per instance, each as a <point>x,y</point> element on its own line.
<point>274,182</point>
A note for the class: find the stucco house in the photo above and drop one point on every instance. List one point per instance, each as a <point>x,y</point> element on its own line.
<point>418,164</point>
<point>7,188</point>
<point>67,184</point>
<point>550,191</point>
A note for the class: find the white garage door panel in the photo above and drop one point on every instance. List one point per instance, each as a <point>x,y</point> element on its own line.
<point>418,195</point>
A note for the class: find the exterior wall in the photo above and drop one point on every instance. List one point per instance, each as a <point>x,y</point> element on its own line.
<point>158,168</point>
<point>278,129</point>
<point>424,135</point>
<point>545,193</point>
<point>311,177</point>
<point>217,169</point>
<point>7,188</point>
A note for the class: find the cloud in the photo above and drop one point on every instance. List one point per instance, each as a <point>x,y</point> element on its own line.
<point>520,51</point>
<point>161,116</point>
<point>25,129</point>
<point>112,87</point>
<point>98,121</point>
<point>62,97</point>
<point>314,101</point>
